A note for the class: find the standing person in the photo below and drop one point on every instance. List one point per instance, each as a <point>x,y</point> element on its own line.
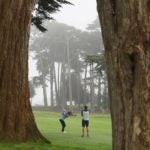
<point>64,115</point>
<point>85,120</point>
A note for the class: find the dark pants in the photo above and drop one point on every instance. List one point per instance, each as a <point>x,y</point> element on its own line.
<point>85,123</point>
<point>63,124</point>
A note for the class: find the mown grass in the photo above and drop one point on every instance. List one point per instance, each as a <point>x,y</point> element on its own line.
<point>48,124</point>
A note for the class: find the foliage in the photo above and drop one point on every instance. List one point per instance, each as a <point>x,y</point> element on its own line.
<point>32,90</point>
<point>43,9</point>
<point>99,60</point>
<point>37,81</point>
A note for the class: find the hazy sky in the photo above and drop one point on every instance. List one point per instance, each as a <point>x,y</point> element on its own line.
<point>79,15</point>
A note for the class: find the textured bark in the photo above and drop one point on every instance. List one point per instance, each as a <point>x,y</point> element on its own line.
<point>126,34</point>
<point>16,120</point>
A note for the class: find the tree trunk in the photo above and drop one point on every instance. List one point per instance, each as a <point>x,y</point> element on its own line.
<point>78,84</point>
<point>126,34</point>
<point>78,89</point>
<point>91,87</point>
<point>62,87</point>
<point>16,120</point>
<point>56,87</point>
<point>105,97</point>
<point>44,90</point>
<point>85,86</point>
<point>99,92</point>
<point>51,83</point>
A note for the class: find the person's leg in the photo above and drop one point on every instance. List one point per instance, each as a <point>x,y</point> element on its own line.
<point>83,125</point>
<point>62,124</point>
<point>82,132</point>
<point>87,128</point>
<point>87,131</point>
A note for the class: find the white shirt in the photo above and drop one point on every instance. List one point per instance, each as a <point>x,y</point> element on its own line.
<point>85,115</point>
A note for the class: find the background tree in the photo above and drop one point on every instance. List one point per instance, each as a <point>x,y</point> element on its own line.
<point>100,80</point>
<point>59,43</point>
<point>125,28</point>
<point>32,91</point>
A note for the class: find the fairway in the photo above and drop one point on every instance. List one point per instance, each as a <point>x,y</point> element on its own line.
<point>100,131</point>
<point>48,124</point>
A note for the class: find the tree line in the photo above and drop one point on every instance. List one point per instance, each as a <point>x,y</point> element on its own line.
<point>65,60</point>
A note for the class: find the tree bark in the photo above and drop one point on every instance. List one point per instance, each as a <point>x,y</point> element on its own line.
<point>16,120</point>
<point>126,34</point>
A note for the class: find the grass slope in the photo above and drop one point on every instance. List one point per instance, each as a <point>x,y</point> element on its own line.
<point>48,124</point>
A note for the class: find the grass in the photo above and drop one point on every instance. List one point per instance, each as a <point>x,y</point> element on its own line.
<point>48,124</point>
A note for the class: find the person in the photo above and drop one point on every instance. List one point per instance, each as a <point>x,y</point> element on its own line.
<point>85,121</point>
<point>64,115</point>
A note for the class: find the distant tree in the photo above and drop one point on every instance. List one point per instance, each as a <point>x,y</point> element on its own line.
<point>94,26</point>
<point>99,60</point>
<point>55,43</point>
<point>32,90</point>
<point>100,75</point>
<point>43,68</point>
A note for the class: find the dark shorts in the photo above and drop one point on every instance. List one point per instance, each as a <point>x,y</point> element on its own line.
<point>85,123</point>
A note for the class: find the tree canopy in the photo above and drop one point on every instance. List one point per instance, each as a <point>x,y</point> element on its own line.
<point>43,11</point>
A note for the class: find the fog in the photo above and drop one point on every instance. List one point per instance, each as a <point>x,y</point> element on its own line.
<point>66,63</point>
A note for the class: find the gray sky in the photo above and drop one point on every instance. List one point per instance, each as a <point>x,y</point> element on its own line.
<point>79,15</point>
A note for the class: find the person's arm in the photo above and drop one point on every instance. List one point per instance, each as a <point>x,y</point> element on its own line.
<point>66,114</point>
<point>82,113</point>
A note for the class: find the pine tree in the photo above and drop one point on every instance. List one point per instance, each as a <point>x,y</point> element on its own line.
<point>43,10</point>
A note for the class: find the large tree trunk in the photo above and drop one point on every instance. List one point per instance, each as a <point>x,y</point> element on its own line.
<point>126,34</point>
<point>16,118</point>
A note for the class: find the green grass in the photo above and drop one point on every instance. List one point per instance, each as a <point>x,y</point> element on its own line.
<point>48,124</point>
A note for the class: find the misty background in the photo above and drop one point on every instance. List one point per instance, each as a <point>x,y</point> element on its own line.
<point>66,63</point>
